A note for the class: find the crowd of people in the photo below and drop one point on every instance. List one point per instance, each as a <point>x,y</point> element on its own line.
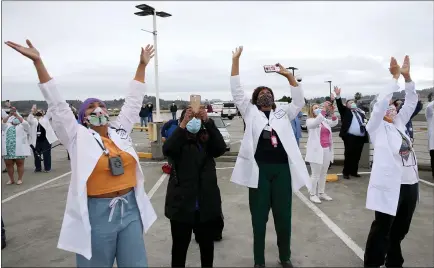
<point>107,208</point>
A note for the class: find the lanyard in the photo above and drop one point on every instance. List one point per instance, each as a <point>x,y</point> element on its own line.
<point>105,151</point>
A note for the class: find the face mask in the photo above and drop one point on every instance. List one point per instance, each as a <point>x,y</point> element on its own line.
<point>193,126</point>
<point>353,106</point>
<point>16,121</point>
<point>391,112</point>
<point>265,100</point>
<point>38,114</point>
<point>98,117</point>
<point>317,111</point>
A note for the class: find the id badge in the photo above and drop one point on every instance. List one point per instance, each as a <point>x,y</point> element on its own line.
<point>274,141</point>
<point>266,135</point>
<point>116,166</point>
<point>38,134</point>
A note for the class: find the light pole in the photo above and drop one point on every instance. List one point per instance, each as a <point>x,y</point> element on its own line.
<point>330,84</point>
<point>146,11</point>
<point>293,69</point>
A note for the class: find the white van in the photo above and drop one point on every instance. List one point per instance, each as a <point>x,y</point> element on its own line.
<point>229,110</point>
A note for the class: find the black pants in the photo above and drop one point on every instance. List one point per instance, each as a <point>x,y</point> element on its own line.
<point>431,153</point>
<point>42,146</point>
<point>353,151</point>
<point>3,232</point>
<point>387,232</point>
<point>219,225</point>
<point>181,237</point>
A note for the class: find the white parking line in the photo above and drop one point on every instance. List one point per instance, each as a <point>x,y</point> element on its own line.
<point>33,188</point>
<point>157,185</point>
<point>332,226</point>
<point>422,181</point>
<point>235,142</point>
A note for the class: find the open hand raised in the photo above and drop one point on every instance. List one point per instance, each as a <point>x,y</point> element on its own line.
<point>332,97</point>
<point>394,68</point>
<point>405,69</point>
<point>30,52</point>
<point>237,53</point>
<point>337,90</point>
<point>147,54</point>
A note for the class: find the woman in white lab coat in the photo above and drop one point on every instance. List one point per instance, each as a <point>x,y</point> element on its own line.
<point>429,114</point>
<point>319,147</point>
<point>269,161</point>
<point>393,185</point>
<point>15,145</point>
<point>107,209</point>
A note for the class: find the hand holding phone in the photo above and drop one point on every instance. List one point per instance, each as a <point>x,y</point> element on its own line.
<point>195,101</point>
<point>272,68</point>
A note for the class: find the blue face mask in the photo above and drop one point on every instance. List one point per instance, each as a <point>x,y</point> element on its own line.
<point>353,106</point>
<point>193,126</point>
<point>16,121</point>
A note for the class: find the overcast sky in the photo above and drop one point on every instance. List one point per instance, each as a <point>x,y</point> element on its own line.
<point>92,48</point>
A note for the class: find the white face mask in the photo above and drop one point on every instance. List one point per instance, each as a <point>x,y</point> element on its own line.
<point>98,117</point>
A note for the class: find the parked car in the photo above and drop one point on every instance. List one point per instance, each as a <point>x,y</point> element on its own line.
<point>229,110</point>
<point>217,107</point>
<point>221,125</point>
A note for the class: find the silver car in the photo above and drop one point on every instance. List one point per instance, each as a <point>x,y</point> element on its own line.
<point>221,125</point>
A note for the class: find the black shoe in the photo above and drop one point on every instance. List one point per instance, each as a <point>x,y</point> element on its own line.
<point>259,266</point>
<point>3,244</point>
<point>38,170</point>
<point>356,175</point>
<point>218,238</point>
<point>286,264</point>
<point>4,171</point>
<point>347,177</point>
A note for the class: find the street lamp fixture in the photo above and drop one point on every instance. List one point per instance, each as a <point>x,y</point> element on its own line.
<point>148,11</point>
<point>293,73</point>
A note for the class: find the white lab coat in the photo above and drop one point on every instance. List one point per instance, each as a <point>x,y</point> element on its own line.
<point>387,169</point>
<point>22,147</point>
<point>45,123</point>
<point>314,150</point>
<point>429,114</point>
<point>75,234</point>
<point>246,170</point>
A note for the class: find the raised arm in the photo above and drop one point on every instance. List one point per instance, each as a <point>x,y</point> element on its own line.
<point>383,99</point>
<point>341,107</point>
<point>419,108</point>
<point>64,123</point>
<point>216,144</point>
<point>411,98</point>
<point>241,99</point>
<point>173,145</point>
<point>133,101</point>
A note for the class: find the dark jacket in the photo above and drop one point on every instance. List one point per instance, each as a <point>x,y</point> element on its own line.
<point>144,112</point>
<point>173,108</point>
<point>194,176</point>
<point>347,118</point>
<point>409,125</point>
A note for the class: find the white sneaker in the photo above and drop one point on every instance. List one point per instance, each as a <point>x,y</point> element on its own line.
<point>325,197</point>
<point>315,199</point>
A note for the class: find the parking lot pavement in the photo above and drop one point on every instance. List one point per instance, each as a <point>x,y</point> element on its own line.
<point>33,222</point>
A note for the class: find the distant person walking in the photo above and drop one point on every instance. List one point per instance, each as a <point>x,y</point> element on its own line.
<point>209,108</point>
<point>144,112</point>
<point>296,127</point>
<point>173,110</point>
<point>150,115</point>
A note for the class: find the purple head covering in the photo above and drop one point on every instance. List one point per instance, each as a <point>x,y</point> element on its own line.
<point>84,106</point>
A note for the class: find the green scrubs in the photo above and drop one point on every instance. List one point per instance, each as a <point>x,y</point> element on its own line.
<point>274,191</point>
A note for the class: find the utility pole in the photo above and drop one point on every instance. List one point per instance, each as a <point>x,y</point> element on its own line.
<point>330,85</point>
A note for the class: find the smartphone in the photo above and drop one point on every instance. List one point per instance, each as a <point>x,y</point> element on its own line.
<point>195,102</point>
<point>34,107</point>
<point>271,68</point>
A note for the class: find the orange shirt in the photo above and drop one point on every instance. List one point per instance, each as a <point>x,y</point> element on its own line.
<point>101,181</point>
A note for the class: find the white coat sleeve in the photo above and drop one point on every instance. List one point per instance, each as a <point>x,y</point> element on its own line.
<point>242,101</point>
<point>410,103</point>
<point>429,111</point>
<point>380,107</point>
<point>63,120</point>
<point>26,126</point>
<point>32,120</point>
<point>4,126</point>
<point>332,123</point>
<point>129,114</point>
<point>297,102</point>
<point>4,114</point>
<point>312,123</point>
